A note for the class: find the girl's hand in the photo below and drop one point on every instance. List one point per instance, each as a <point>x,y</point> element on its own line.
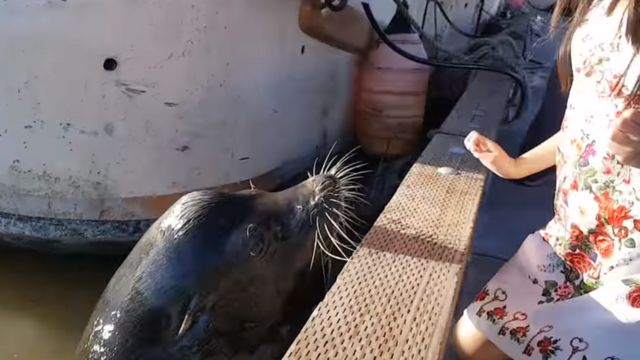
<point>624,140</point>
<point>491,155</point>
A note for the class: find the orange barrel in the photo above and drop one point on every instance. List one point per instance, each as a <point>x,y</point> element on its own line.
<point>390,98</point>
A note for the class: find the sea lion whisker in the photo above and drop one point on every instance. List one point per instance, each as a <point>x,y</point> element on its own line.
<point>347,182</point>
<point>346,217</point>
<point>330,166</point>
<point>323,195</point>
<point>339,229</point>
<point>351,192</point>
<point>352,197</point>
<point>343,184</point>
<point>328,207</point>
<point>315,249</point>
<point>350,168</point>
<point>346,221</point>
<point>323,169</point>
<point>341,163</point>
<point>351,216</point>
<point>350,175</point>
<point>332,209</point>
<point>351,187</point>
<point>328,253</point>
<point>324,274</point>
<point>346,170</point>
<point>337,244</point>
<point>356,196</point>
<point>353,176</point>
<point>349,213</point>
<point>336,239</point>
<point>321,190</point>
<point>322,243</point>
<point>354,233</point>
<point>351,153</point>
<point>352,179</point>
<point>319,238</point>
<point>349,165</point>
<point>349,206</point>
<point>353,222</point>
<point>342,203</point>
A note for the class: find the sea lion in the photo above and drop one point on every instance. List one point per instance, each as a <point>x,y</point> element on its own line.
<point>215,275</point>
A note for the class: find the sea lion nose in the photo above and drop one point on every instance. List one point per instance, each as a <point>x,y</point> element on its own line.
<point>325,183</point>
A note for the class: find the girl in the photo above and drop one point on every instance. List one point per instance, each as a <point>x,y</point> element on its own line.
<point>572,291</point>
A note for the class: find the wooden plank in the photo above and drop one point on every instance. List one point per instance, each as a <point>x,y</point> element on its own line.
<point>482,107</point>
<point>396,296</point>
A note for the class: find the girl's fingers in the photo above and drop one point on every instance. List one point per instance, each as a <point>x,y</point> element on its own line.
<point>468,143</point>
<point>468,140</point>
<point>477,143</point>
<point>471,142</point>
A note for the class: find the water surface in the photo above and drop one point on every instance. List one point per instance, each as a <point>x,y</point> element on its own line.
<point>45,301</point>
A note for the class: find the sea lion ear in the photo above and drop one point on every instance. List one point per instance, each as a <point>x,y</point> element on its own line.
<point>251,230</point>
<point>256,244</point>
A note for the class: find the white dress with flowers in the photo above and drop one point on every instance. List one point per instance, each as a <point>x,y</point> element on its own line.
<point>572,291</point>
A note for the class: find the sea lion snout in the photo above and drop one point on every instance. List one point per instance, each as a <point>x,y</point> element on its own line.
<point>325,182</point>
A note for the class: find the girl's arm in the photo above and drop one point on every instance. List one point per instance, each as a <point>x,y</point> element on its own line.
<point>500,163</point>
<point>539,158</point>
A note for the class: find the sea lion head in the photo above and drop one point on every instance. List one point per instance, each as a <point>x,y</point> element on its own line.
<point>217,273</point>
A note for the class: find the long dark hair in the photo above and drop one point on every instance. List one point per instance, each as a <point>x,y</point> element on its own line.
<point>576,11</point>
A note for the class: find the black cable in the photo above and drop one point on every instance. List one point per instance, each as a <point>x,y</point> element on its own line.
<point>435,21</point>
<point>452,65</point>
<point>452,24</point>
<point>535,7</point>
<point>435,25</point>
<point>479,18</point>
<point>424,14</point>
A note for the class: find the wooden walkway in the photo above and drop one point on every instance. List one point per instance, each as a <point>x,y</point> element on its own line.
<point>396,296</point>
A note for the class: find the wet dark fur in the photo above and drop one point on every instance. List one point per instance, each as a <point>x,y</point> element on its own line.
<point>235,264</point>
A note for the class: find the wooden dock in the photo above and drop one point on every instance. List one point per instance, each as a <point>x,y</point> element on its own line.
<point>395,298</point>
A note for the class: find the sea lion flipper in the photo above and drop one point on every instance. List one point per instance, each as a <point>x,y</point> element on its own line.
<point>189,315</point>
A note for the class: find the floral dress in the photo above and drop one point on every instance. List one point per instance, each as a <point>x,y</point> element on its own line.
<point>572,291</point>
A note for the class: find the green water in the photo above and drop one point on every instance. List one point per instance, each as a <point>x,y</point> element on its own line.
<point>45,301</point>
